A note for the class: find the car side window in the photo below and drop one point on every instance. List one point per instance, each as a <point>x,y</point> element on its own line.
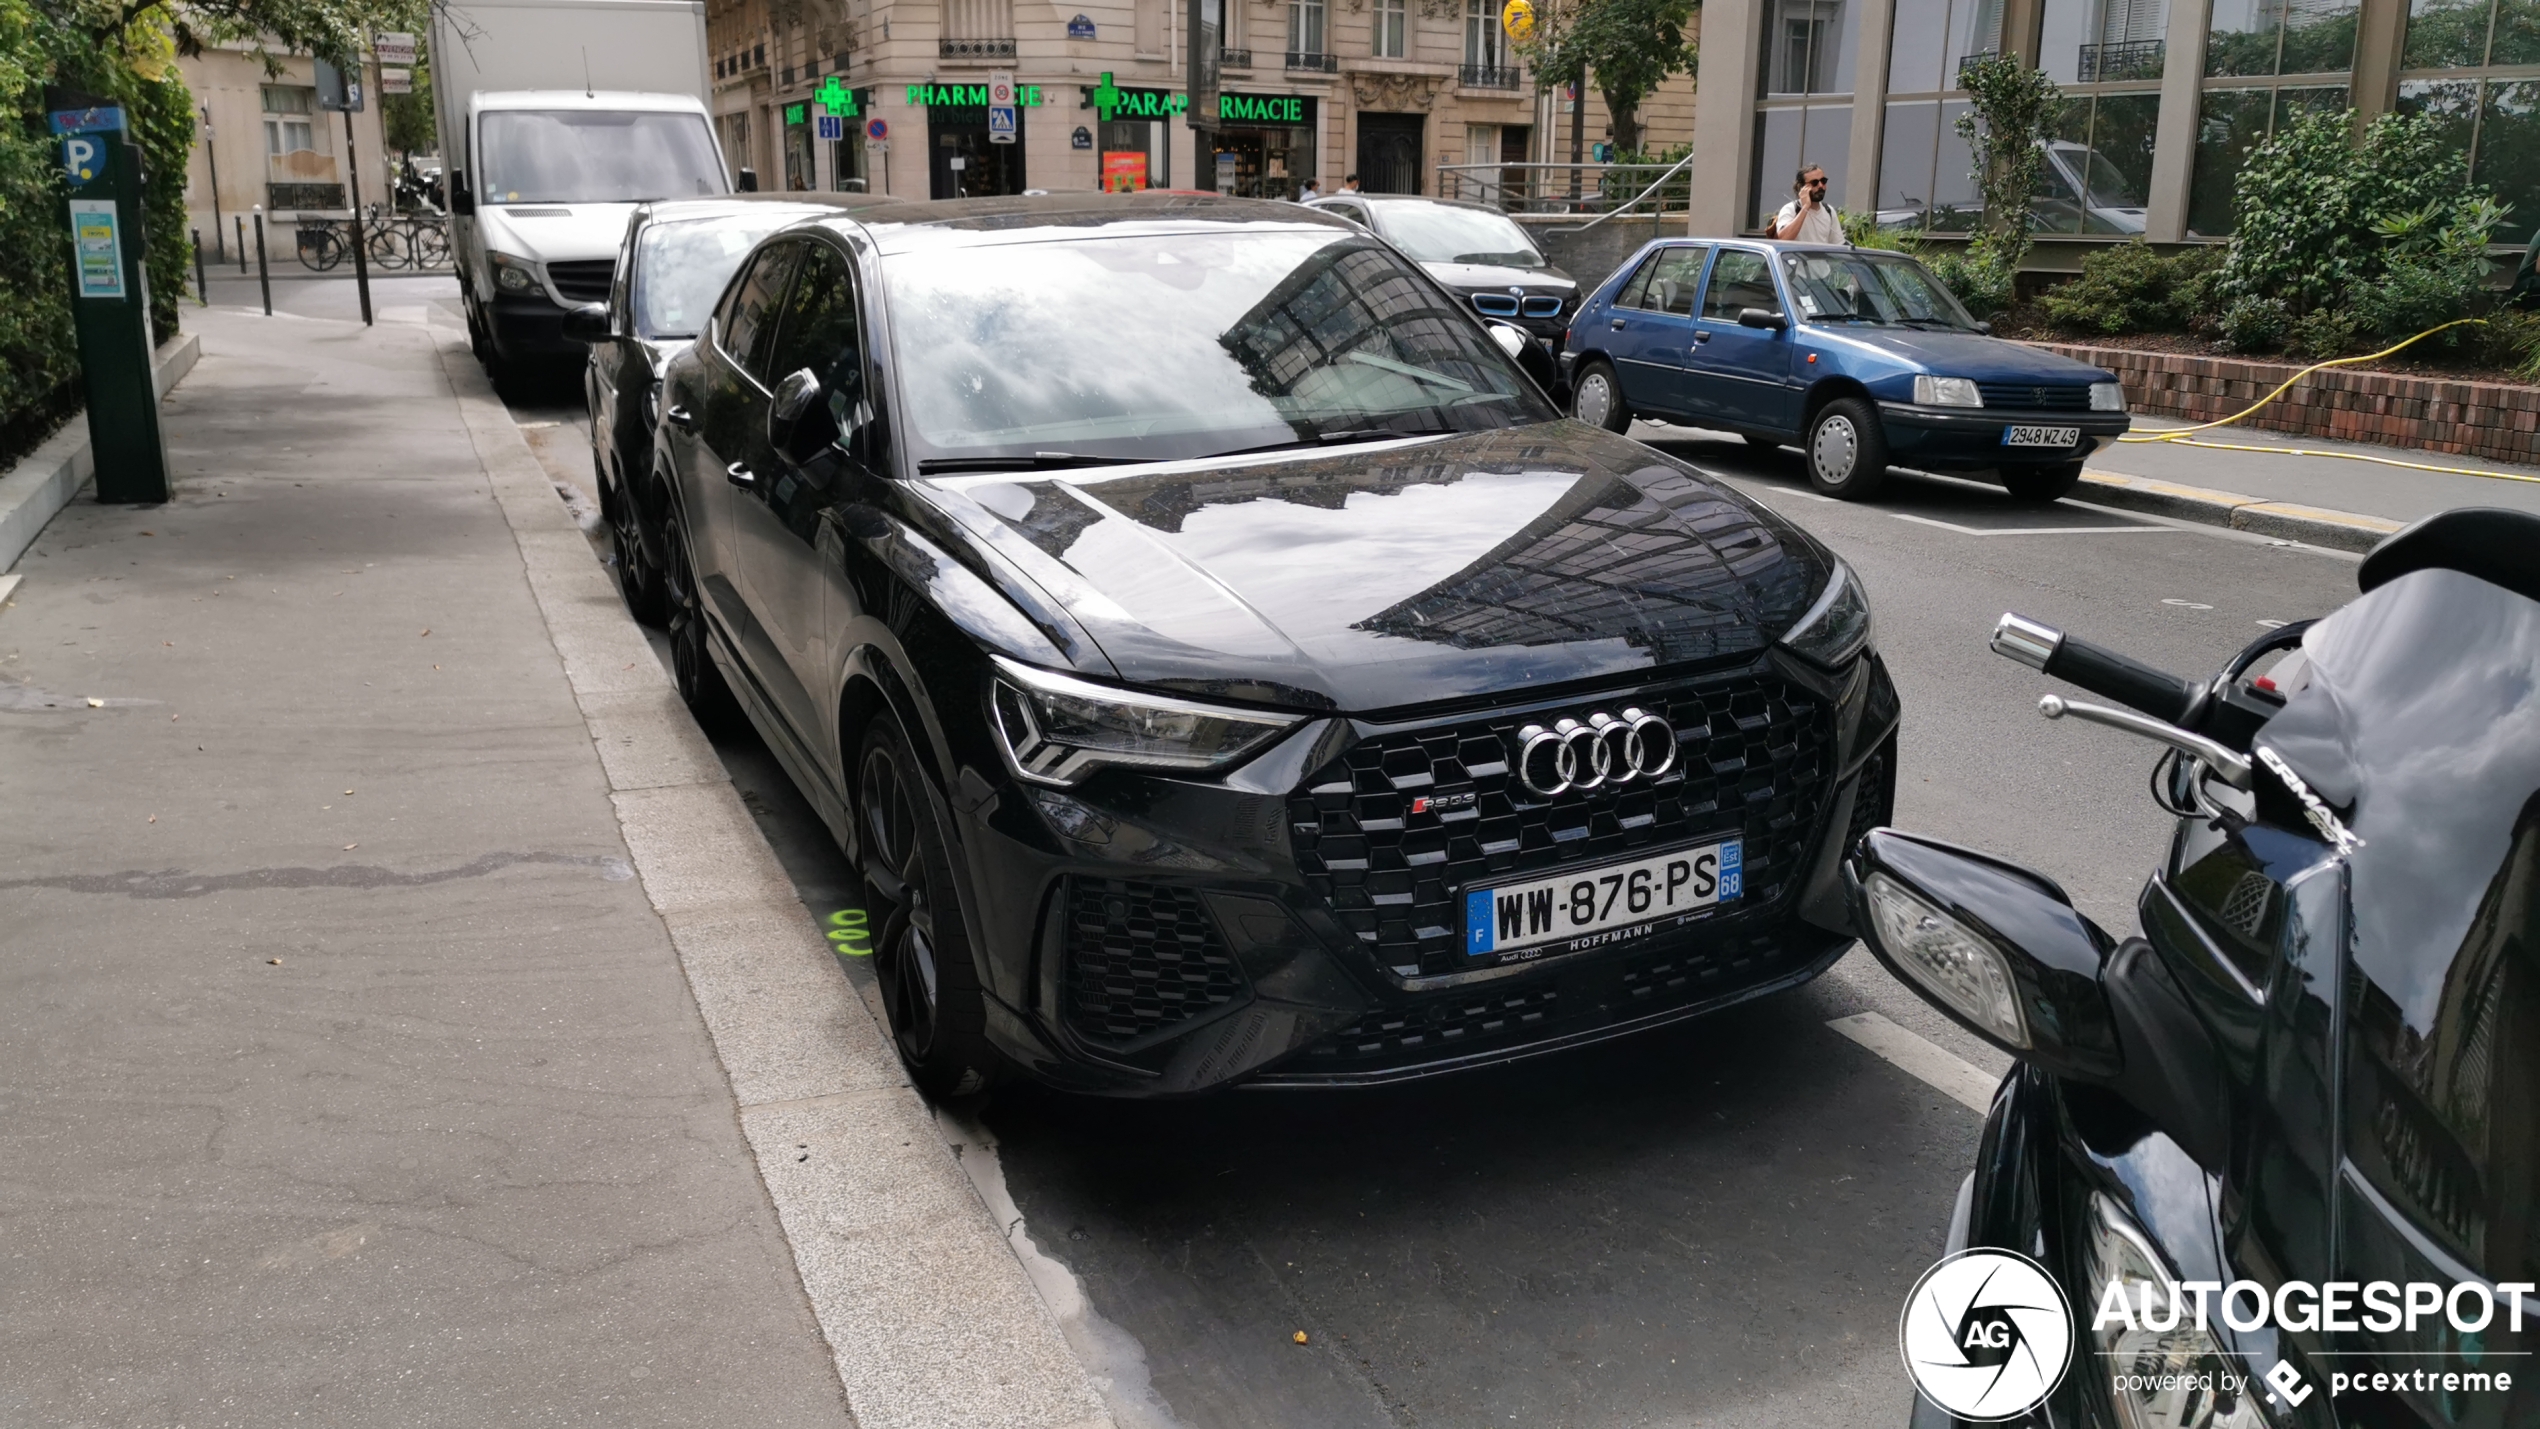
<point>1740,280</point>
<point>1676,278</point>
<point>1633,293</point>
<point>1353,213</point>
<point>744,320</point>
<point>818,328</point>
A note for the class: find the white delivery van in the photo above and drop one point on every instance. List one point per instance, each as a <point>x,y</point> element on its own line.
<point>557,117</point>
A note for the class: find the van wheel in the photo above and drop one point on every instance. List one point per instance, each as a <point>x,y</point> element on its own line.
<point>2042,484</point>
<point>1598,398</point>
<point>1847,450</point>
<point>921,947</point>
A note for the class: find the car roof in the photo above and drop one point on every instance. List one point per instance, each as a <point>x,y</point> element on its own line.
<point>992,220</point>
<point>666,210</point>
<point>1410,198</point>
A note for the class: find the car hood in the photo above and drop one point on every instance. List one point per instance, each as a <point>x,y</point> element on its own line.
<point>1960,354</point>
<point>553,232</point>
<point>1470,276</point>
<point>1378,577</point>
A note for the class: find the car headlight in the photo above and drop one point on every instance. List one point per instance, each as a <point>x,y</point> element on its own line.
<point>1056,729</point>
<point>2107,396</point>
<point>1953,963</point>
<point>1837,627</point>
<point>2159,1379</point>
<point>513,275</point>
<point>1947,392</point>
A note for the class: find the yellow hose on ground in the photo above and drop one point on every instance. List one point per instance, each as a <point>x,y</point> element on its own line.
<point>2181,435</point>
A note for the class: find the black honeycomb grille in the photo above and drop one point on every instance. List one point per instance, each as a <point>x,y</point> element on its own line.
<point>1755,758</point>
<point>1141,957</point>
<point>583,280</point>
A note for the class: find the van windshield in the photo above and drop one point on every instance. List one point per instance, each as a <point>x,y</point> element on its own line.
<point>595,156</point>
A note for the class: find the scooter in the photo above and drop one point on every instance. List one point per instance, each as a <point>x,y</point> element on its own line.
<point>2318,1063</point>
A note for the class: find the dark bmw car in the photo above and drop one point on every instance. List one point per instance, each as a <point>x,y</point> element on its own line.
<point>1224,665</point>
<point>673,263</point>
<point>1859,358</point>
<point>1477,252</point>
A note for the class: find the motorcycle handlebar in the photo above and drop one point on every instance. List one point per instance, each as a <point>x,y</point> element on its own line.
<point>2095,668</point>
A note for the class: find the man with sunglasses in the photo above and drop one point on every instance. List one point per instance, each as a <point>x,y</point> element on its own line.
<point>1809,218</point>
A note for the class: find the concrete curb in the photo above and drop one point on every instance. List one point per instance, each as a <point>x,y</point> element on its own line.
<point>46,479</point>
<point>931,1320</point>
<point>2284,520</point>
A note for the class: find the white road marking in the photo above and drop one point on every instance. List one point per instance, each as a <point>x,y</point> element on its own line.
<point>2023,530</point>
<point>1953,1075</point>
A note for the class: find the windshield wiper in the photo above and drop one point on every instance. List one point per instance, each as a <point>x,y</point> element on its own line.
<point>1037,461</point>
<point>1843,318</point>
<point>1339,438</point>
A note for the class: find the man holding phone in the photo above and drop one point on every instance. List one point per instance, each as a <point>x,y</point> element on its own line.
<point>1810,217</point>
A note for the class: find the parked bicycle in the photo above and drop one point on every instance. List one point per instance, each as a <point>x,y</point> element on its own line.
<point>319,245</point>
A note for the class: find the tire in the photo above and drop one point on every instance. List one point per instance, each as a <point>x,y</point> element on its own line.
<point>2042,484</point>
<point>1762,443</point>
<point>921,946</point>
<point>431,246</point>
<point>692,666</point>
<point>638,579</point>
<point>1847,450</point>
<point>1597,398</point>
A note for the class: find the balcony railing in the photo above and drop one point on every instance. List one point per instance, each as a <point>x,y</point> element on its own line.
<point>1314,62</point>
<point>2135,59</point>
<point>975,51</point>
<point>284,197</point>
<point>1968,62</point>
<point>1488,76</point>
<point>1234,59</point>
<point>1642,191</point>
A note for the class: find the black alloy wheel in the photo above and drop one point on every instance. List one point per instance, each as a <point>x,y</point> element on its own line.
<point>2042,484</point>
<point>1847,450</point>
<point>1597,398</point>
<point>692,667</point>
<point>638,579</point>
<point>921,949</point>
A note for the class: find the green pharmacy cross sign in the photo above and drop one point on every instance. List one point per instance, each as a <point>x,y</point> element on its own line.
<point>835,98</point>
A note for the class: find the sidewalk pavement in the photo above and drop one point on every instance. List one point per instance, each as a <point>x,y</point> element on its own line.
<point>404,1023</point>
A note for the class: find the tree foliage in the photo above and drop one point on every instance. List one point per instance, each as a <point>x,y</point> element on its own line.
<point>2006,126</point>
<point>1629,48</point>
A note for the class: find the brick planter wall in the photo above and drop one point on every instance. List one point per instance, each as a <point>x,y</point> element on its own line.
<point>2485,419</point>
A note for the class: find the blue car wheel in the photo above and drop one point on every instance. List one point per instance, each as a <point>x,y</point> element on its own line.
<point>1596,397</point>
<point>1847,450</point>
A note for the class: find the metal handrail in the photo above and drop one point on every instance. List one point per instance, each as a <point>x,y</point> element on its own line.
<point>1488,174</point>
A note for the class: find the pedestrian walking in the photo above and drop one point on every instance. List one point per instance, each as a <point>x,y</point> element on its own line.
<point>1349,185</point>
<point>1307,193</point>
<point>1809,217</point>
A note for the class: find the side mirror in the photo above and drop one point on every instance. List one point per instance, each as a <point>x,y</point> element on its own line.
<point>745,180</point>
<point>1758,317</point>
<point>1532,356</point>
<point>588,322</point>
<point>1998,948</point>
<point>1985,328</point>
<point>461,201</point>
<point>1511,340</point>
<point>798,421</point>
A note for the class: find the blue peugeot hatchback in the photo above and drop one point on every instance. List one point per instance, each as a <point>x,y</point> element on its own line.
<point>1859,356</point>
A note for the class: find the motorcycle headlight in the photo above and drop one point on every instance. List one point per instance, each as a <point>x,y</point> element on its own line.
<point>2160,1379</point>
<point>1056,729</point>
<point>1948,960</point>
<point>2107,396</point>
<point>513,275</point>
<point>1837,627</point>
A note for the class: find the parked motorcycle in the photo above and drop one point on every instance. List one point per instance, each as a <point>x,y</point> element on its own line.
<point>2319,1065</point>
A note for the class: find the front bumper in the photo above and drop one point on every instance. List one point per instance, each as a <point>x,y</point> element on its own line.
<point>528,326</point>
<point>1970,438</point>
<point>1296,924</point>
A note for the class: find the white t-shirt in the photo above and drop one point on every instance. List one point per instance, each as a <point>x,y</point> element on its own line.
<point>1822,225</point>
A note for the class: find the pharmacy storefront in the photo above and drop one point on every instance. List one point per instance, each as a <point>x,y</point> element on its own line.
<point>1264,146</point>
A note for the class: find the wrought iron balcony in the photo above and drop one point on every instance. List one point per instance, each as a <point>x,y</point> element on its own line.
<point>2135,59</point>
<point>1968,62</point>
<point>283,197</point>
<point>1234,59</point>
<point>975,51</point>
<point>1314,62</point>
<point>1488,76</point>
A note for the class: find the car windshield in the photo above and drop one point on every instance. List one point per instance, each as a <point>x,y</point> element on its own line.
<point>595,156</point>
<point>681,267</point>
<point>1443,233</point>
<point>1157,348</point>
<point>1871,288</point>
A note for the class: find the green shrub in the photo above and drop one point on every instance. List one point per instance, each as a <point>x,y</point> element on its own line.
<point>2310,207</point>
<point>2255,324</point>
<point>1978,276</point>
<point>2127,287</point>
<point>2323,333</point>
<point>2510,339</point>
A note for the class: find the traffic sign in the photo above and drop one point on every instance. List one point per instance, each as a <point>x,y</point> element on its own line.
<point>831,127</point>
<point>1001,126</point>
<point>876,130</point>
<point>1001,89</point>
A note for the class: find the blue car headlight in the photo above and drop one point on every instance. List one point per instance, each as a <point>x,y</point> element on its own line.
<point>1932,391</point>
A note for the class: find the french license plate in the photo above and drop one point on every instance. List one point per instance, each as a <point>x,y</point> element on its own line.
<point>1586,907</point>
<point>2041,436</point>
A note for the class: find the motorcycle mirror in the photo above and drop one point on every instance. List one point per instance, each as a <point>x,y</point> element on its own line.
<point>798,424</point>
<point>1999,948</point>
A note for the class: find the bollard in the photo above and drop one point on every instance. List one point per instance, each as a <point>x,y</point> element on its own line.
<point>202,285</point>
<point>241,220</point>
<point>264,277</point>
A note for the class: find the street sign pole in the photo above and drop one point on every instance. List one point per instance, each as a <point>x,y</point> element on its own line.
<point>110,304</point>
<point>341,91</point>
<point>1001,105</point>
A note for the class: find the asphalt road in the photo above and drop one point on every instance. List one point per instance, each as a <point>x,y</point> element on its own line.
<point>1710,1226</point>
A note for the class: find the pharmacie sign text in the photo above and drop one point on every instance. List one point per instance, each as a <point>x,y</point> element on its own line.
<point>968,96</point>
<point>1285,109</point>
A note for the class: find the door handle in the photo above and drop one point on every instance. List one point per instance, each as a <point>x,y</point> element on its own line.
<point>1700,336</point>
<point>681,418</point>
<point>741,476</point>
<point>1618,324</point>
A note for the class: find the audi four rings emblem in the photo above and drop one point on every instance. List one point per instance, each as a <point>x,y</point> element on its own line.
<point>1601,751</point>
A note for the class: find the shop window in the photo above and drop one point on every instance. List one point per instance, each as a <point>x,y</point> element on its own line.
<point>2260,37</point>
<point>2098,165</point>
<point>2233,122</point>
<point>1392,25</point>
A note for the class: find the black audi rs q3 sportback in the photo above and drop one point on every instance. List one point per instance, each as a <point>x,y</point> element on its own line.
<point>1224,664</point>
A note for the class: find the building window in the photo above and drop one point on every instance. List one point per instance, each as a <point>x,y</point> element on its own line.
<point>2233,122</point>
<point>1391,26</point>
<point>2108,56</point>
<point>2474,67</point>
<point>290,126</point>
<point>2265,37</point>
<point>1926,170</point>
<point>2103,41</point>
<point>1485,43</point>
<point>1305,28</point>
